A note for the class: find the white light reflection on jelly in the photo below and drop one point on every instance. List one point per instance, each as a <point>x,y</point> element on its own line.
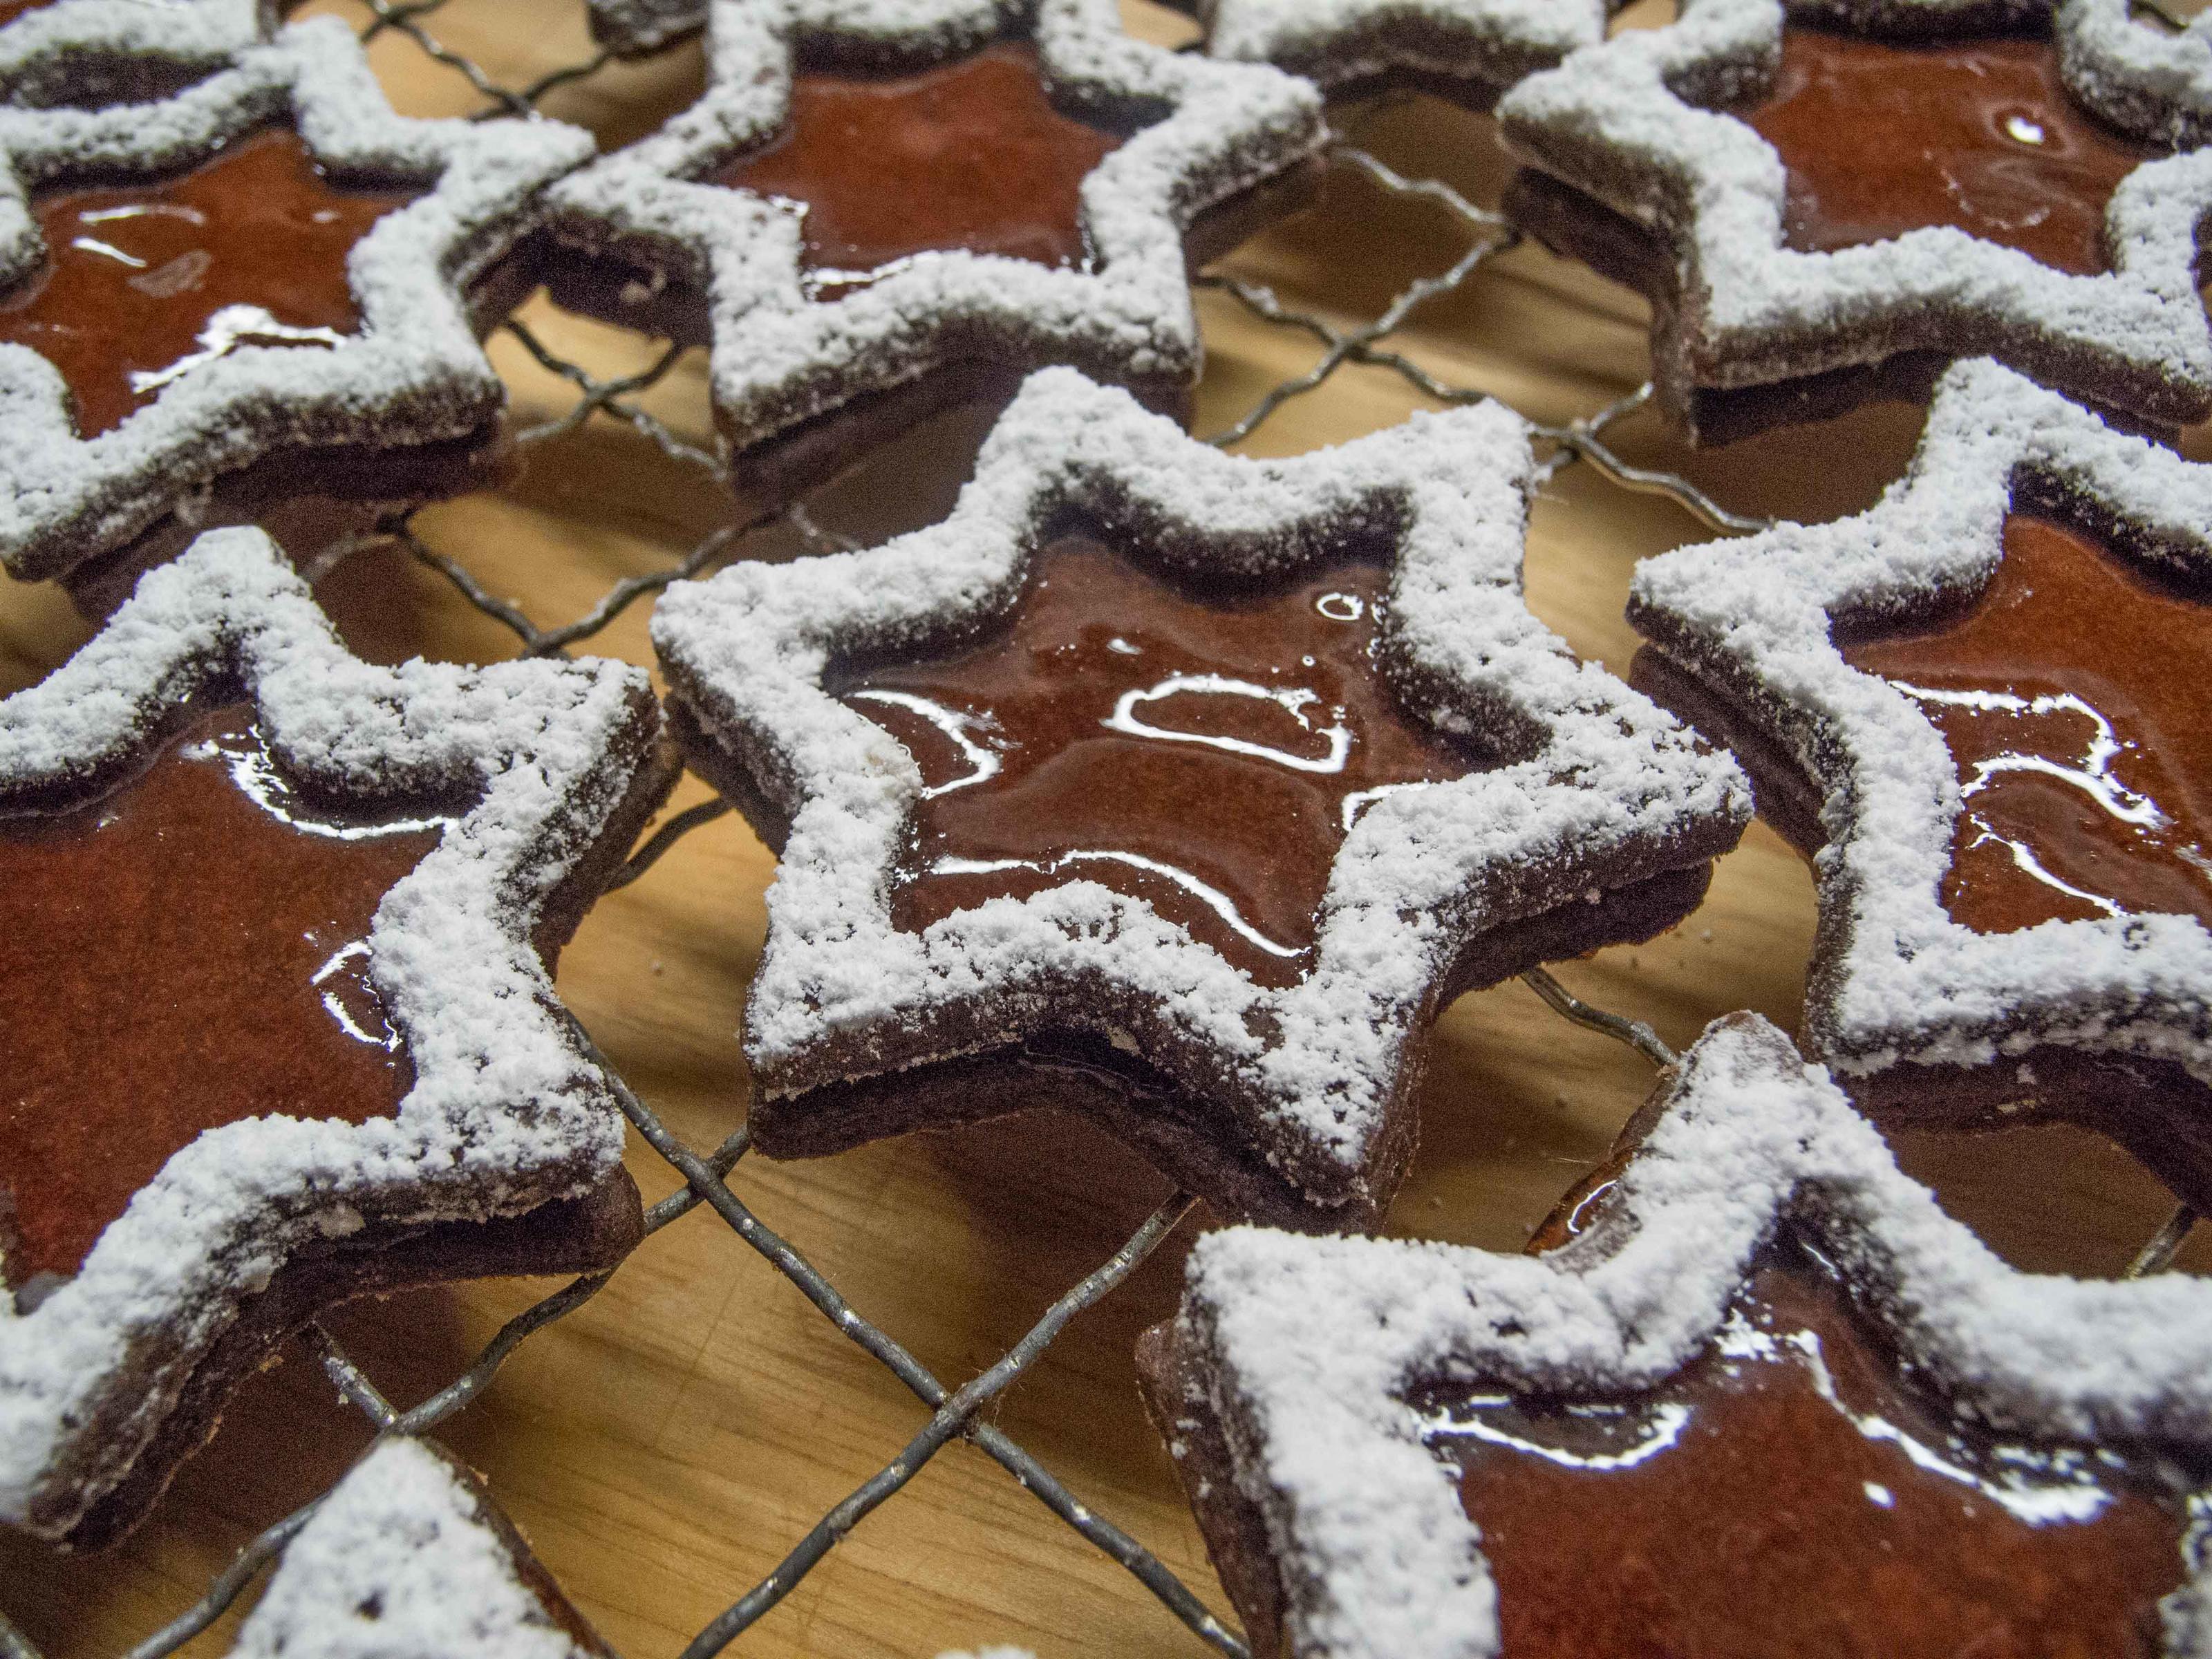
<point>955,724</point>
<point>2092,776</point>
<point>1212,897</point>
<point>334,1005</point>
<point>1659,1431</point>
<point>257,778</point>
<point>2066,1491</point>
<point>106,250</point>
<point>2037,1486</point>
<point>230,327</point>
<point>191,215</point>
<point>1294,703</point>
<point>1341,607</point>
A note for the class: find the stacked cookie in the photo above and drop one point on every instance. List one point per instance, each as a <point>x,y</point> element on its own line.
<point>1176,789</point>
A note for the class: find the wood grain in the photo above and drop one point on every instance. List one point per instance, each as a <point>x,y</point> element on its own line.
<point>665,1446</point>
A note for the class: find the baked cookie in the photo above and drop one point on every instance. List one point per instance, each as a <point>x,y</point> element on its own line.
<point>308,511</point>
<point>1978,707</point>
<point>1471,51</point>
<point>91,52</point>
<point>275,936</point>
<point>879,210</point>
<point>631,28</point>
<point>1178,789</point>
<point>409,1556</point>
<point>268,268</point>
<point>1827,201</point>
<point>1770,1401</point>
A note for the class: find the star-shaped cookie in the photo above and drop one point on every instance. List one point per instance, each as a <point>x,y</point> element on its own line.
<point>1981,702</point>
<point>1177,788</point>
<point>275,936</point>
<point>409,1556</point>
<point>1469,51</point>
<point>879,209</point>
<point>270,266</point>
<point>1770,1400</point>
<point>1827,201</point>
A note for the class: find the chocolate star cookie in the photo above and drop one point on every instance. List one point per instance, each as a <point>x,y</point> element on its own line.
<point>269,270</point>
<point>275,936</point>
<point>1176,789</point>
<point>878,211</point>
<point>1770,1400</point>
<point>1828,202</point>
<point>1978,707</point>
<point>409,1555</point>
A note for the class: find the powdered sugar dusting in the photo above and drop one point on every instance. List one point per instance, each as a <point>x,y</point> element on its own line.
<point>781,357</point>
<point>1309,1347</point>
<point>1896,979</point>
<point>1608,777</point>
<point>58,52</point>
<point>2142,80</point>
<point>1633,124</point>
<point>413,373</point>
<point>397,1562</point>
<point>505,1114</point>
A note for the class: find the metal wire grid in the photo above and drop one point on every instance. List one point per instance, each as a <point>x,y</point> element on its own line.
<point>953,1412</point>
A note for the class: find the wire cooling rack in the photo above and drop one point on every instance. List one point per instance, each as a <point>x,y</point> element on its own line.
<point>953,1414</point>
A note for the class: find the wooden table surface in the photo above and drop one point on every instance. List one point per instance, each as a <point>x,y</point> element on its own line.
<point>663,1447</point>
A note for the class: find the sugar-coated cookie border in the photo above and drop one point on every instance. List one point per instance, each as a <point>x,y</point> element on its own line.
<point>1894,980</point>
<point>44,51</point>
<point>1308,1348</point>
<point>780,357</point>
<point>1628,124</point>
<point>415,373</point>
<point>1478,48</point>
<point>1615,789</point>
<point>2143,81</point>
<point>631,28</point>
<point>407,1534</point>
<point>506,1112</point>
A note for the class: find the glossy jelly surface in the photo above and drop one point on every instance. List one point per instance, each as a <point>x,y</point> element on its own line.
<point>188,951</point>
<point>1207,754</point>
<point>1881,137</point>
<point>144,284</point>
<point>2071,693</point>
<point>1788,1492</point>
<point>970,155</point>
